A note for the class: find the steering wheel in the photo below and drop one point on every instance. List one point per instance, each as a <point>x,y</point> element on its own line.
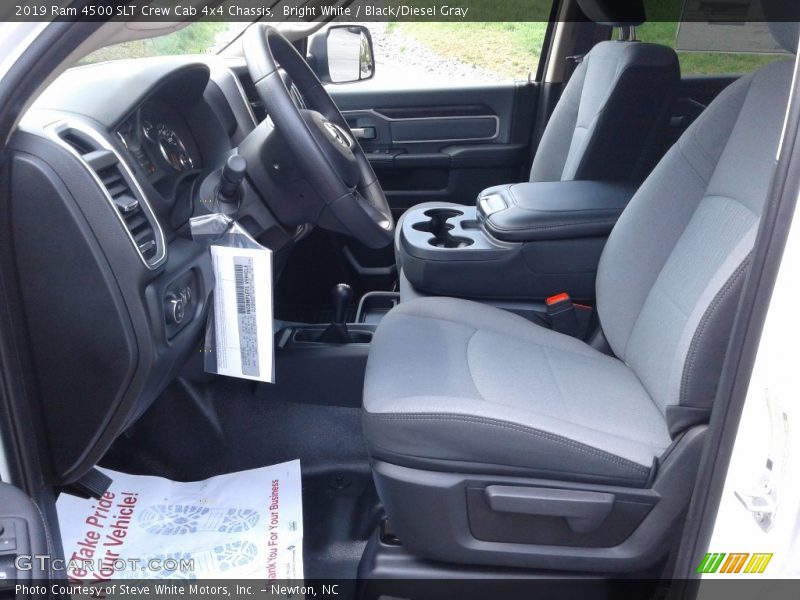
<point>348,197</point>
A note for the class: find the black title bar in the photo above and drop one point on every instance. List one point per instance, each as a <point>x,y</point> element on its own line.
<point>726,11</point>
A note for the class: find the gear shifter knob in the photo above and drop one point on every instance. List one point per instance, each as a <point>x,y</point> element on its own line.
<point>342,296</point>
<point>336,332</point>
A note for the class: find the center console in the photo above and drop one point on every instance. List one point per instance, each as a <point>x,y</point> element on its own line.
<point>520,244</point>
<point>324,364</point>
<point>523,241</point>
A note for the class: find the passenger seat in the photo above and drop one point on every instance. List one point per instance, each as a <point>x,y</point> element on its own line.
<point>608,121</point>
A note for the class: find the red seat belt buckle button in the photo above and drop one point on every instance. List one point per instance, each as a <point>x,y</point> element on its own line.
<point>557,299</point>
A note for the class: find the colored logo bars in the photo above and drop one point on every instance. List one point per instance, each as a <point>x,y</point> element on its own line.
<point>742,562</point>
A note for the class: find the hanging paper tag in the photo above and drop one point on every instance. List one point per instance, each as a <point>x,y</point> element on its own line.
<point>244,342</point>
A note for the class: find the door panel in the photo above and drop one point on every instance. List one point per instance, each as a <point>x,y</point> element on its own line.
<point>444,144</point>
<point>704,88</point>
<point>696,92</point>
<point>22,534</point>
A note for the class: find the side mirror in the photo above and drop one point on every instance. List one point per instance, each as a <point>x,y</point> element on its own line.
<point>342,54</point>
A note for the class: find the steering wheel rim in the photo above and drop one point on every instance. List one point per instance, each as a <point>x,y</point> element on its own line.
<point>328,155</point>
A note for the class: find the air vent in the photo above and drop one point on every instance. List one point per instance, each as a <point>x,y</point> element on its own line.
<point>124,196</point>
<point>130,210</point>
<point>77,141</point>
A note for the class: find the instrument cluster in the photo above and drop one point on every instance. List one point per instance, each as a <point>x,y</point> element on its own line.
<point>160,141</point>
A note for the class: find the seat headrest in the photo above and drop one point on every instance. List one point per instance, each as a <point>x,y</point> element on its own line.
<point>613,12</point>
<point>784,22</point>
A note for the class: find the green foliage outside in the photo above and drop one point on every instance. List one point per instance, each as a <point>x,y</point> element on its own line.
<point>509,49</point>
<point>197,38</point>
<point>513,49</point>
<point>703,63</point>
<point>662,28</point>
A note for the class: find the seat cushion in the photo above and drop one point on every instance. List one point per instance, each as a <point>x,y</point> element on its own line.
<point>457,385</point>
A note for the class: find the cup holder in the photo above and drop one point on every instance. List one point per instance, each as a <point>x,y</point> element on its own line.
<point>437,221</point>
<point>450,241</point>
<point>438,226</point>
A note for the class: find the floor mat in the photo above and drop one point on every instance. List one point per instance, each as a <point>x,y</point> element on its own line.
<point>247,524</point>
<point>195,431</point>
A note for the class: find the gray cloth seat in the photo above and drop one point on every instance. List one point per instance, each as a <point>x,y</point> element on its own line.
<point>484,389</point>
<point>456,386</point>
<point>608,121</point>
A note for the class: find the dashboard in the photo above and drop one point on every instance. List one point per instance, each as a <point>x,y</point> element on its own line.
<point>160,140</point>
<point>106,169</point>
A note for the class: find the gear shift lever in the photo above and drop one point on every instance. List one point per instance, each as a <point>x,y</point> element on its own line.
<point>342,296</point>
<point>337,333</point>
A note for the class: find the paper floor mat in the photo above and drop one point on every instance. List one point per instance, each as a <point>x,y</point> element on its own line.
<point>238,525</point>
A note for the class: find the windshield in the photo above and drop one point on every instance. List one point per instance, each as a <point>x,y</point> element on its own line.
<point>198,38</point>
<point>443,52</point>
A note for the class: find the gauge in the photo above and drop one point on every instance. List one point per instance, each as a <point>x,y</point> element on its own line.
<point>172,148</point>
<point>149,131</point>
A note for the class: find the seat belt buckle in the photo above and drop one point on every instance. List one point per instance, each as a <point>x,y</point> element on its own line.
<point>558,300</point>
<point>567,317</point>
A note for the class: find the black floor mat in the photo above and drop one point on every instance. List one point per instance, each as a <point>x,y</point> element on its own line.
<point>197,431</point>
<point>341,509</point>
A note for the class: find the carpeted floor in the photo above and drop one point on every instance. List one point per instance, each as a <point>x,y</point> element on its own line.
<point>195,431</point>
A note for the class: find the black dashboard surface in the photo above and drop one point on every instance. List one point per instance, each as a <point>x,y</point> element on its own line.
<point>109,92</point>
<point>109,153</point>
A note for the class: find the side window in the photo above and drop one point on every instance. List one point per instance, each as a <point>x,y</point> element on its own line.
<point>426,54</point>
<point>714,49</point>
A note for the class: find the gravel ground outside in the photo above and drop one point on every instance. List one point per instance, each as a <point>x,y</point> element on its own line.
<point>407,60</point>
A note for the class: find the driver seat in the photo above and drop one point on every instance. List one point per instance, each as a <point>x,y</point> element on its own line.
<point>497,441</point>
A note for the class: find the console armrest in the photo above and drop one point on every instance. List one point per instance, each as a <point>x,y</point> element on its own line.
<point>527,212</point>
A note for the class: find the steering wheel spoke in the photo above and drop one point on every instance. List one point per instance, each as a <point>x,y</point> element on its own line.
<point>347,193</point>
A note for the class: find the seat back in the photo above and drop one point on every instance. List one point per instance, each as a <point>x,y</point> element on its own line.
<point>607,122</point>
<point>670,276</point>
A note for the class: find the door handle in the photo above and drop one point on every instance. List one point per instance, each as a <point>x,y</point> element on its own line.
<point>762,499</point>
<point>364,133</point>
<point>761,502</point>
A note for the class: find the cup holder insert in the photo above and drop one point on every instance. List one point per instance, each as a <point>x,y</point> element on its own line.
<point>437,221</point>
<point>438,226</point>
<point>450,241</point>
